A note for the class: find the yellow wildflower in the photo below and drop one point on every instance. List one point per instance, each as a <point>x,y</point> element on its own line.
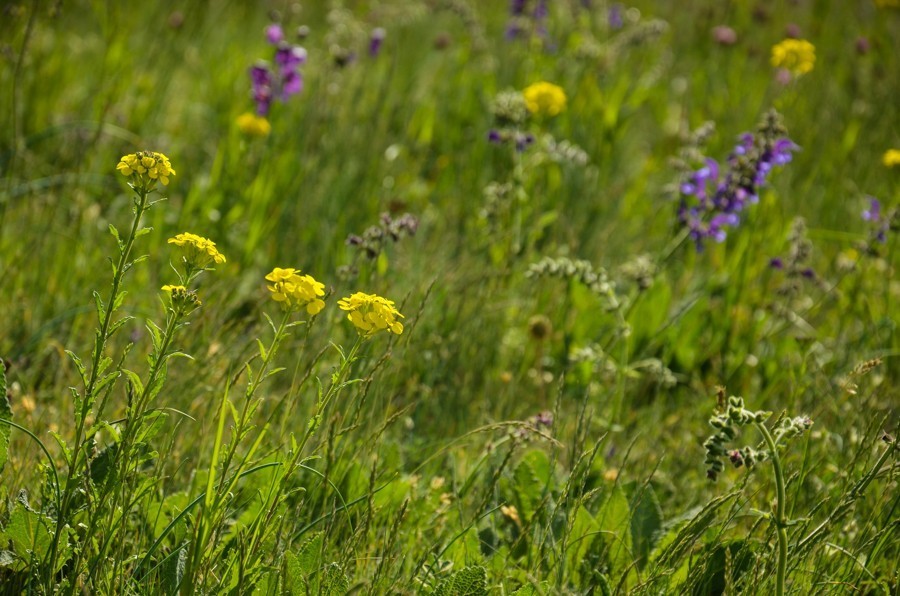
<point>252,125</point>
<point>199,251</point>
<point>795,55</point>
<point>146,167</point>
<point>370,314</point>
<point>891,158</point>
<point>294,291</point>
<point>544,99</point>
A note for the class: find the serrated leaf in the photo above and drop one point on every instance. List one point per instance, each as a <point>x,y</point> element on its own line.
<point>104,381</point>
<point>79,365</point>
<point>115,233</point>
<point>117,302</point>
<point>468,581</point>
<point>334,581</point>
<point>135,380</point>
<point>310,553</point>
<point>155,334</point>
<point>118,325</point>
<point>101,466</point>
<point>98,303</point>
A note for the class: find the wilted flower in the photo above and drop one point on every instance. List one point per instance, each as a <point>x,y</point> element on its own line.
<point>252,125</point>
<point>145,168</point>
<point>544,99</point>
<point>370,314</point>
<point>795,55</point>
<point>294,291</point>
<point>199,251</point>
<point>891,158</point>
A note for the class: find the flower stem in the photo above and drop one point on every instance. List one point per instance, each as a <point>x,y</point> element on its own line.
<point>778,510</point>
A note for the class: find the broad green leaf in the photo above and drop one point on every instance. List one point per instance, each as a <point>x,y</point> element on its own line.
<point>468,581</point>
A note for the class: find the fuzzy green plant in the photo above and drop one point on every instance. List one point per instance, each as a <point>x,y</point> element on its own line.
<point>727,422</point>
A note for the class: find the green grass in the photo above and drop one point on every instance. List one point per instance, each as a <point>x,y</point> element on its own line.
<point>413,464</point>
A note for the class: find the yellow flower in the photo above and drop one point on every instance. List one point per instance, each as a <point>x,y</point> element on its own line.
<point>891,157</point>
<point>370,314</point>
<point>795,55</point>
<point>199,251</point>
<point>544,99</point>
<point>294,291</point>
<point>145,168</point>
<point>252,125</point>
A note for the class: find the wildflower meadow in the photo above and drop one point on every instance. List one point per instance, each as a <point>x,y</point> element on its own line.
<point>450,297</point>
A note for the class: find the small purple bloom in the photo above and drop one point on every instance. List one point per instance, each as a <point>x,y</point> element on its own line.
<point>494,136</point>
<point>274,34</point>
<point>291,85</point>
<point>376,39</point>
<point>614,17</point>
<point>776,263</point>
<point>873,213</point>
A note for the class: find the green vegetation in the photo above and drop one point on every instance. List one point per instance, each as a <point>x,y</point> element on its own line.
<point>467,312</point>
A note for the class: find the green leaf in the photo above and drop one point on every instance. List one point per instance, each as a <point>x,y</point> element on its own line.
<point>581,535</point>
<point>613,520</point>
<point>78,365</point>
<point>468,581</point>
<point>686,531</point>
<point>136,383</point>
<point>334,581</point>
<point>172,570</point>
<point>115,233</point>
<point>30,535</point>
<point>646,522</point>
<point>309,554</point>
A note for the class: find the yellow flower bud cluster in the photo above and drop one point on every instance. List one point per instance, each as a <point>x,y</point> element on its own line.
<point>370,314</point>
<point>294,291</point>
<point>252,125</point>
<point>146,167</point>
<point>199,251</point>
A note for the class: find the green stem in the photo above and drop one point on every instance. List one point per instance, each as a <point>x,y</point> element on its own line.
<point>90,387</point>
<point>778,510</point>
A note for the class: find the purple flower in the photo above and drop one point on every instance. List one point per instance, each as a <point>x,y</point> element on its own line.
<point>376,39</point>
<point>494,136</point>
<point>873,213</point>
<point>274,34</point>
<point>776,263</point>
<point>614,17</point>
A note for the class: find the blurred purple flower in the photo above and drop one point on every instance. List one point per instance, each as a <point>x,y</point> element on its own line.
<point>376,39</point>
<point>274,34</point>
<point>725,36</point>
<point>873,213</point>
<point>614,16</point>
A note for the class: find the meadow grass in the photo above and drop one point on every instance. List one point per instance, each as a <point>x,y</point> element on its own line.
<point>549,383</point>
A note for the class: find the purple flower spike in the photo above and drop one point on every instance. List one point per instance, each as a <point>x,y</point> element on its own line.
<point>376,40</point>
<point>614,17</point>
<point>274,34</point>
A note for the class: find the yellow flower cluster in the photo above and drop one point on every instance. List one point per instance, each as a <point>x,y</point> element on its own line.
<point>199,251</point>
<point>294,291</point>
<point>891,158</point>
<point>146,167</point>
<point>544,99</point>
<point>795,55</point>
<point>252,125</point>
<point>370,314</point>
